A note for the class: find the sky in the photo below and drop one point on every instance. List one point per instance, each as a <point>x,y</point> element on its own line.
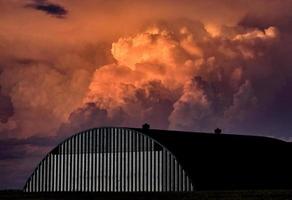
<point>190,65</point>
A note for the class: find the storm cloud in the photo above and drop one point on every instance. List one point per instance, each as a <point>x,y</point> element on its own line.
<point>49,8</point>
<point>185,65</point>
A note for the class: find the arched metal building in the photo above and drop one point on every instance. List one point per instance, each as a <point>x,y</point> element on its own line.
<point>149,160</point>
<point>109,160</point>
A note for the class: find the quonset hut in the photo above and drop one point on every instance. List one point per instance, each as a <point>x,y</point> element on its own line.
<point>115,159</point>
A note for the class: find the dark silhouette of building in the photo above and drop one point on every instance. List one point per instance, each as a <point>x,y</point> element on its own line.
<point>148,160</point>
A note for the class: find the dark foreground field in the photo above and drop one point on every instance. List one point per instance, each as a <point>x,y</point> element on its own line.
<point>222,195</point>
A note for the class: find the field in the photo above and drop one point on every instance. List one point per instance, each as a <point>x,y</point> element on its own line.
<point>214,195</point>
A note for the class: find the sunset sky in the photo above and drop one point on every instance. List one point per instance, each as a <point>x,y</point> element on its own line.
<point>70,65</point>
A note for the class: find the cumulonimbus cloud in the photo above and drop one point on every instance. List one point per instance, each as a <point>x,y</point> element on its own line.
<point>187,65</point>
<point>197,79</point>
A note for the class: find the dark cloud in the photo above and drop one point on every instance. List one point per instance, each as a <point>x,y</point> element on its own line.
<point>89,116</point>
<point>49,8</point>
<point>6,108</point>
<point>282,22</point>
<point>15,148</point>
<point>18,157</point>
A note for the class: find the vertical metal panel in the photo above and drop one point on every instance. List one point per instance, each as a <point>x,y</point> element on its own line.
<point>87,162</point>
<point>78,161</point>
<point>58,170</point>
<point>175,176</point>
<point>84,162</point>
<point>29,185</point>
<point>172,175</point>
<point>63,168</point>
<point>124,160</point>
<point>160,171</point>
<point>99,160</point>
<point>178,178</point>
<point>74,154</point>
<point>78,172</point>
<point>139,162</point>
<point>142,162</point>
<point>114,138</point>
<point>91,155</point>
<point>145,188</point>
<point>170,172</point>
<point>132,162</point>
<point>68,165</point>
<point>48,173</point>
<point>45,168</point>
<point>37,179</point>
<point>120,160</point>
<point>53,172</point>
<point>74,163</point>
<point>43,164</point>
<point>145,149</point>
<point>155,180</point>
<point>105,159</point>
<point>136,166</point>
<point>83,171</point>
<point>117,159</point>
<point>183,181</point>
<point>187,184</point>
<point>112,159</point>
<point>91,160</point>
<point>109,159</point>
<point>138,150</point>
<point>86,176</point>
<point>42,176</point>
<point>167,172</point>
<point>95,159</point>
<point>127,160</point>
<point>51,181</point>
<point>102,160</point>
<point>151,166</point>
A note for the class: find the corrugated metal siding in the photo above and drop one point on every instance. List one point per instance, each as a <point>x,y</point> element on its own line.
<point>109,160</point>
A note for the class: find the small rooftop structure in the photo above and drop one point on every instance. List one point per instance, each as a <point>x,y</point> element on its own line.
<point>218,131</point>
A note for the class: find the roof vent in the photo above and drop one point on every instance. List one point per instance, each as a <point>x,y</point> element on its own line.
<point>218,131</point>
<point>146,126</point>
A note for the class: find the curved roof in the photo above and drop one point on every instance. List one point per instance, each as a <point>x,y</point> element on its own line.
<point>224,161</point>
<point>109,159</point>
